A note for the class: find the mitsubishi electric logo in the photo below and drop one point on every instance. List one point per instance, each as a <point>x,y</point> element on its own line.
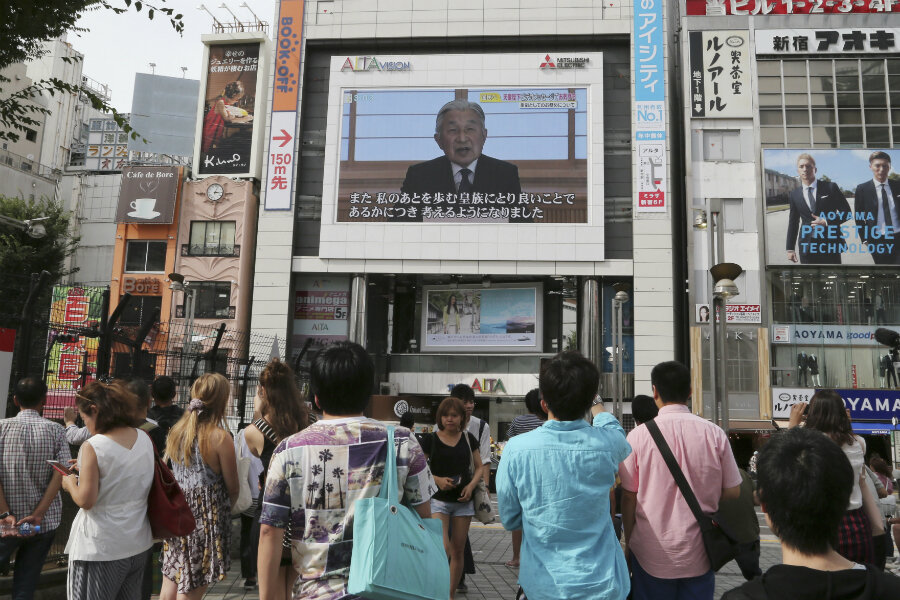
<point>565,62</point>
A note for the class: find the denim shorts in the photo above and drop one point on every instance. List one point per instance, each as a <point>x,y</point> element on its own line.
<point>453,509</point>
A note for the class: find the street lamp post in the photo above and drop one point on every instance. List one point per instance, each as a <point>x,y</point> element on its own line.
<point>179,285</point>
<point>723,275</point>
<point>618,348</point>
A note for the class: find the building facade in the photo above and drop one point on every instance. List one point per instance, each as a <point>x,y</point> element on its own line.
<point>778,99</point>
<point>359,239</point>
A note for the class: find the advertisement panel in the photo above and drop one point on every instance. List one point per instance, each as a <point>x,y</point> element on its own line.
<point>871,405</point>
<point>536,157</point>
<point>788,7</point>
<point>148,195</point>
<point>736,313</point>
<point>827,335</point>
<point>321,307</point>
<point>832,207</point>
<point>532,168</point>
<point>720,74</point>
<point>107,146</point>
<point>229,119</point>
<point>865,40</point>
<point>280,164</point>
<point>72,355</point>
<point>649,98</point>
<point>500,318</point>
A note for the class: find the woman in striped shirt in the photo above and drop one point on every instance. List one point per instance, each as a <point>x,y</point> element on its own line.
<point>523,424</point>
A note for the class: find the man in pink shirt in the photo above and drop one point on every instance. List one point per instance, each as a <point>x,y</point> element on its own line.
<point>663,538</point>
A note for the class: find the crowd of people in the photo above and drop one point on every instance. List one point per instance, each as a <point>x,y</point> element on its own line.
<point>594,513</point>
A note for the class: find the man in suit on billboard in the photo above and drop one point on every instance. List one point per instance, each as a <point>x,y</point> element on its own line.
<point>817,210</point>
<point>460,132</point>
<point>876,211</point>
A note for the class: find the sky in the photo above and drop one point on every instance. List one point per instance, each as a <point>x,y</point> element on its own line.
<point>119,46</point>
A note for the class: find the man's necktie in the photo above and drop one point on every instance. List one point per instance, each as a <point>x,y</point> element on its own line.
<point>465,184</point>
<point>812,200</point>
<point>886,206</point>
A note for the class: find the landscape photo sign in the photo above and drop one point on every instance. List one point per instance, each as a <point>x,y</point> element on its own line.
<point>843,221</point>
<point>226,141</point>
<point>148,195</point>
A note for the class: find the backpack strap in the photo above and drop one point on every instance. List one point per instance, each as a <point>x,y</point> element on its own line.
<point>480,431</point>
<point>148,426</point>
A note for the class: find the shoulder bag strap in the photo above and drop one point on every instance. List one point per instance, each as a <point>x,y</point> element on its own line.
<point>466,435</point>
<point>389,487</point>
<point>677,474</point>
<point>480,431</point>
<point>267,430</point>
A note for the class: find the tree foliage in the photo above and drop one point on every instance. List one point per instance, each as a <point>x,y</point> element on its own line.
<point>25,25</point>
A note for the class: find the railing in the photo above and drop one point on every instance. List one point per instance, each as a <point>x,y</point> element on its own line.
<point>239,26</point>
<point>27,165</point>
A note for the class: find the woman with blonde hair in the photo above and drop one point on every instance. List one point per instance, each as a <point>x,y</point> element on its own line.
<point>203,462</point>
<point>110,536</point>
<point>282,413</point>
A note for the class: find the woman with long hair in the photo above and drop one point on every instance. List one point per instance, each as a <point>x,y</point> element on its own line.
<point>218,115</point>
<point>110,536</point>
<point>281,413</point>
<point>203,462</point>
<point>828,414</point>
<point>452,452</point>
<point>451,315</point>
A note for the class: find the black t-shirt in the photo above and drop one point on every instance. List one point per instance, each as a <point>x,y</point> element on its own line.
<point>166,416</point>
<point>450,461</point>
<point>788,582</point>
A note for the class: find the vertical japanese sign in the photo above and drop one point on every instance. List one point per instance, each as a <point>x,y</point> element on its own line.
<point>720,74</point>
<point>650,106</point>
<point>280,167</point>
<point>72,360</point>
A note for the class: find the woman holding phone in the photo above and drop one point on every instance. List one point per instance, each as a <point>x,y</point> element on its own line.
<point>110,537</point>
<point>452,452</point>
<point>204,464</point>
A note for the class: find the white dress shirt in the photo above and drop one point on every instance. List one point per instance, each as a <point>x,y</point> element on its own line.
<point>882,224</point>
<point>457,176</point>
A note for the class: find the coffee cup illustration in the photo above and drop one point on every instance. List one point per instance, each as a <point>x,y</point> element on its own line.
<point>144,208</point>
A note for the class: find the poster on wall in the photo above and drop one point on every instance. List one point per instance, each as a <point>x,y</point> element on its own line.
<point>649,100</point>
<point>720,74</point>
<point>736,313</point>
<point>832,206</point>
<point>72,355</point>
<point>226,134</point>
<point>528,164</point>
<point>321,307</point>
<point>500,318</point>
<point>148,195</point>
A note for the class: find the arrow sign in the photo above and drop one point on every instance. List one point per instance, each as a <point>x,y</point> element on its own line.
<point>286,137</point>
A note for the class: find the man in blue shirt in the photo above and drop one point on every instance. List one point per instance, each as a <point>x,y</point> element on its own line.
<point>553,483</point>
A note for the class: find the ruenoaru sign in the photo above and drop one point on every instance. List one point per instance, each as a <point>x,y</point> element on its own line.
<point>862,404</point>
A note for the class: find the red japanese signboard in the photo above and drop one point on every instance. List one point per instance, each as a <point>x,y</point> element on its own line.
<point>789,7</point>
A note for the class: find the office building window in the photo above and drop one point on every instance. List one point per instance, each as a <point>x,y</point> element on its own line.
<point>31,135</point>
<point>139,309</point>
<point>146,256</point>
<point>212,238</point>
<point>213,299</point>
<point>829,103</point>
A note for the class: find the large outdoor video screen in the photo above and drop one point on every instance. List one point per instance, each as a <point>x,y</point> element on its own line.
<point>466,142</point>
<point>829,207</point>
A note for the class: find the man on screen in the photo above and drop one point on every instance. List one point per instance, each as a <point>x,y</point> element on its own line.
<point>817,210</point>
<point>876,203</point>
<point>460,132</point>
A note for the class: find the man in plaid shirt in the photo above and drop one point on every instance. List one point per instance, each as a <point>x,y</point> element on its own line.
<point>29,487</point>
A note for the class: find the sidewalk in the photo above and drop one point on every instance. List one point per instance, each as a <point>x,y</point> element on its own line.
<point>492,547</point>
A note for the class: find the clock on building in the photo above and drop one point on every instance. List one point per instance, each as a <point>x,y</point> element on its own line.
<point>215,192</point>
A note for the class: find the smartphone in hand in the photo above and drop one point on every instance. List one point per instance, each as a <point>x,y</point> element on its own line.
<point>62,468</point>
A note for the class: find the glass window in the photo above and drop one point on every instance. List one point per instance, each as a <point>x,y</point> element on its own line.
<point>139,309</point>
<point>798,135</point>
<point>212,238</point>
<point>823,116</point>
<point>771,135</point>
<point>794,67</point>
<point>797,117</point>
<point>770,100</point>
<point>876,117</point>
<point>851,135</point>
<point>825,135</point>
<point>873,82</point>
<point>795,84</point>
<point>821,67</point>
<point>770,85</point>
<point>212,298</point>
<point>878,136</point>
<point>770,117</point>
<point>145,256</point>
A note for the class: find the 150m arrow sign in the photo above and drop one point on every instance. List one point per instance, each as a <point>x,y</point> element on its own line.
<point>280,167</point>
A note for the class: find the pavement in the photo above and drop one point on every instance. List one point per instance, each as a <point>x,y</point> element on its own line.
<point>492,547</point>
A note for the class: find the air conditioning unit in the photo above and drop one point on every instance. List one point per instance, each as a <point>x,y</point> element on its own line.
<point>388,388</point>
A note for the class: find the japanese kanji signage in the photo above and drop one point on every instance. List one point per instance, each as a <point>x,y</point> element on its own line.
<point>868,40</point>
<point>280,167</point>
<point>650,97</point>
<point>720,74</point>
<point>107,146</point>
<point>736,313</point>
<point>789,7</point>
<point>321,307</point>
<point>72,363</point>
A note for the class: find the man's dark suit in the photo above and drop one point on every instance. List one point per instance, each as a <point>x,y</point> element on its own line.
<point>492,176</point>
<point>831,202</point>
<point>867,202</point>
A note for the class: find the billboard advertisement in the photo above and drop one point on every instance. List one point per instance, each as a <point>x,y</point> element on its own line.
<point>148,195</point>
<point>499,318</point>
<point>72,356</point>
<point>228,125</point>
<point>321,307</point>
<point>832,207</point>
<point>718,8</point>
<point>720,74</point>
<point>510,139</point>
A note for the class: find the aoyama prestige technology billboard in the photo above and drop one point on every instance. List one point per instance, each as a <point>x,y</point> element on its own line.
<point>466,150</point>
